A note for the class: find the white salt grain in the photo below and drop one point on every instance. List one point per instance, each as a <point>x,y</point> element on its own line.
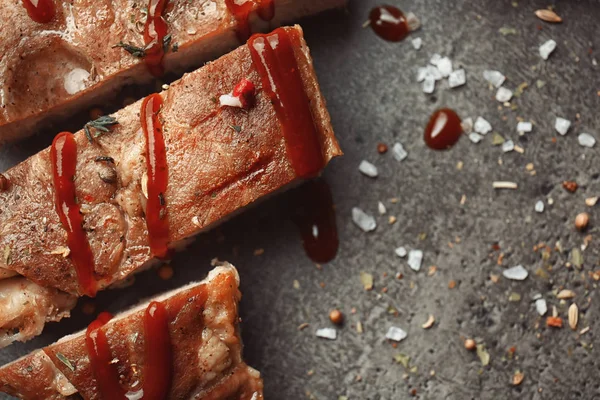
<point>381,208</point>
<point>524,127</point>
<point>422,73</point>
<point>396,334</point>
<point>398,152</point>
<point>434,72</point>
<point>363,220</point>
<point>445,66</point>
<point>482,126</point>
<point>429,84</point>
<point>541,306</point>
<point>508,146</point>
<point>475,137</point>
<point>467,125</point>
<point>415,258</point>
<point>412,21</point>
<point>496,78</point>
<point>503,94</point>
<point>417,43</point>
<point>517,273</point>
<point>586,140</point>
<point>539,206</point>
<point>368,169</point>
<point>562,125</point>
<point>401,252</point>
<point>547,48</point>
<point>435,59</point>
<point>457,78</point>
<point>327,333</point>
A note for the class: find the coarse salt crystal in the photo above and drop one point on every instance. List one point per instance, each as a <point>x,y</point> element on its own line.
<point>417,43</point>
<point>508,146</point>
<point>482,126</point>
<point>445,66</point>
<point>415,258</point>
<point>422,73</point>
<point>524,127</point>
<point>412,21</point>
<point>75,80</point>
<point>541,306</point>
<point>368,169</point>
<point>562,125</point>
<point>547,48</point>
<point>401,252</point>
<point>381,208</point>
<point>586,140</point>
<point>467,125</point>
<point>435,59</point>
<point>457,78</point>
<point>398,152</point>
<point>327,333</point>
<point>496,78</point>
<point>396,334</point>
<point>503,94</point>
<point>539,206</point>
<point>434,72</point>
<point>363,220</point>
<point>231,101</point>
<point>475,137</point>
<point>517,273</point>
<point>429,84</point>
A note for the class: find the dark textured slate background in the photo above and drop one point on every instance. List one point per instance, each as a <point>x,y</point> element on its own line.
<point>373,96</point>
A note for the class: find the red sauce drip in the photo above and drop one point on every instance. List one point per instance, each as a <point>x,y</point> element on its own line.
<point>389,23</point>
<point>264,8</point>
<point>157,364</point>
<point>42,13</point>
<point>443,129</point>
<point>155,31</point>
<point>314,214</point>
<point>158,176</point>
<point>274,59</point>
<point>105,373</point>
<point>64,161</point>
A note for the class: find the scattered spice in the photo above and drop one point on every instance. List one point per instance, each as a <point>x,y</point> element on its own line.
<point>402,359</point>
<point>382,148</point>
<point>554,322</point>
<point>581,221</point>
<point>470,344</point>
<point>429,323</point>
<point>134,50</point>
<point>101,125</point>
<point>336,317</point>
<point>303,326</point>
<point>570,186</point>
<point>565,294</point>
<point>65,361</point>
<point>504,185</point>
<point>483,355</point>
<point>548,16</point>
<point>391,220</point>
<point>367,280</point>
<point>576,258</point>
<point>573,316</point>
<point>590,201</point>
<point>518,378</point>
<point>452,284</point>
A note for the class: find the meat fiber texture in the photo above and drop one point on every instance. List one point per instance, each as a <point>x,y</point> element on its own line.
<point>205,344</point>
<point>214,171</point>
<point>50,71</point>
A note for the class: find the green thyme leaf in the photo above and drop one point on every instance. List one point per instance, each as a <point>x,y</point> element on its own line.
<point>166,42</point>
<point>132,49</point>
<point>101,125</point>
<point>65,361</point>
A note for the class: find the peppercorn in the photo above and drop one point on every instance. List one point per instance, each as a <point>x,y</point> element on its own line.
<point>336,317</point>
<point>581,221</point>
<point>382,148</point>
<point>470,344</point>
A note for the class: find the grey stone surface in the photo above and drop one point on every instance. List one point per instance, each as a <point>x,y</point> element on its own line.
<point>373,97</point>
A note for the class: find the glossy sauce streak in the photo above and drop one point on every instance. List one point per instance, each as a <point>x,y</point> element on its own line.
<point>314,214</point>
<point>42,12</point>
<point>158,176</point>
<point>155,30</point>
<point>63,154</point>
<point>105,373</point>
<point>443,129</point>
<point>265,10</point>
<point>157,362</point>
<point>274,59</point>
<point>389,23</point>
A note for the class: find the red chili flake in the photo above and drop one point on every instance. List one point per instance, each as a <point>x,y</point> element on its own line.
<point>413,392</point>
<point>382,148</point>
<point>554,140</point>
<point>570,186</point>
<point>555,322</point>
<point>495,247</point>
<point>89,198</point>
<point>452,284</point>
<point>245,90</point>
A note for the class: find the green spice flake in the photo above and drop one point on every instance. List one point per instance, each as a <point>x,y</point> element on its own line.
<point>497,139</point>
<point>101,125</point>
<point>520,89</point>
<point>514,297</point>
<point>540,84</point>
<point>7,258</point>
<point>507,30</point>
<point>65,361</point>
<point>483,355</point>
<point>236,128</point>
<point>166,42</point>
<point>576,258</point>
<point>367,280</point>
<point>402,359</point>
<point>132,49</point>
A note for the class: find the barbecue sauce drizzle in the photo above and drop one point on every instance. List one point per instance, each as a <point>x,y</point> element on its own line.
<point>389,23</point>
<point>443,129</point>
<point>158,176</point>
<point>63,154</point>
<point>42,13</point>
<point>155,30</point>
<point>274,59</point>
<point>157,356</point>
<point>241,12</point>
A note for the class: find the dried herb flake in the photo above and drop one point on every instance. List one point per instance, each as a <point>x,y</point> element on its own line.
<point>65,361</point>
<point>132,49</point>
<point>101,125</point>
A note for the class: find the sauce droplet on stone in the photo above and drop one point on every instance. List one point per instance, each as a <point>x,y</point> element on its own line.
<point>443,129</point>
